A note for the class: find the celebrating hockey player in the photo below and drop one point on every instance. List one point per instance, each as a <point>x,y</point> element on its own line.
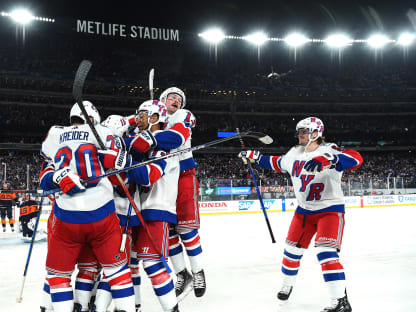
<point>186,204</point>
<point>84,215</point>
<point>316,169</point>
<point>158,207</point>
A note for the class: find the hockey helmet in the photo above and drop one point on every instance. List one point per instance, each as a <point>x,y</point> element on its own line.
<point>312,124</point>
<point>89,108</point>
<point>176,90</point>
<point>117,124</point>
<point>152,107</point>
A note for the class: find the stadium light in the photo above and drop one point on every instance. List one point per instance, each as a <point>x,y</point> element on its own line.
<point>258,38</point>
<point>378,41</point>
<point>338,41</point>
<point>296,40</point>
<point>406,39</point>
<point>22,16</point>
<point>213,35</point>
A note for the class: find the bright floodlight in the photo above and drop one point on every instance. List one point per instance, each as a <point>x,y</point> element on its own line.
<point>377,41</point>
<point>296,40</point>
<point>214,35</point>
<point>21,16</point>
<point>257,38</point>
<point>338,41</point>
<point>406,39</point>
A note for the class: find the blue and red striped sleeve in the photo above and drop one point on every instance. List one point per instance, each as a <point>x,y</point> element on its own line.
<point>270,162</point>
<point>149,174</point>
<point>45,176</point>
<point>349,160</point>
<point>173,137</point>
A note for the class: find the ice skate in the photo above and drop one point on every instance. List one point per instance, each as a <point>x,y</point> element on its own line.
<point>199,283</point>
<point>339,305</point>
<point>175,308</point>
<point>284,293</point>
<point>183,285</point>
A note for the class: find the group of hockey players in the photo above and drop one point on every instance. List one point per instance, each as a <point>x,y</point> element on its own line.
<point>9,201</point>
<point>107,226</point>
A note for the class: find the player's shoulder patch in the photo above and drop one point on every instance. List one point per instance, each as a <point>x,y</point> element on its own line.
<point>333,146</point>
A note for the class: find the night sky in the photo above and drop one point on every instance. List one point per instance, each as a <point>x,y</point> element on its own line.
<point>277,18</point>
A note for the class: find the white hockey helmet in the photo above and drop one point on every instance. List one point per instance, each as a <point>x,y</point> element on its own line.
<point>90,109</point>
<point>312,124</point>
<point>117,124</point>
<point>152,107</point>
<point>178,91</point>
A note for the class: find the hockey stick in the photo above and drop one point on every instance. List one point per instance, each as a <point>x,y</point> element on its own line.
<point>151,77</point>
<point>20,298</point>
<point>263,138</point>
<point>258,192</point>
<point>124,238</point>
<point>79,81</point>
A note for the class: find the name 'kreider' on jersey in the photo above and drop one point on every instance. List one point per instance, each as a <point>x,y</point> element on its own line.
<point>76,147</point>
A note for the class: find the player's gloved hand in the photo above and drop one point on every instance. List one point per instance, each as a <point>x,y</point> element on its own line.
<point>319,163</point>
<point>131,120</point>
<point>250,156</point>
<point>144,141</point>
<point>115,159</point>
<point>68,181</point>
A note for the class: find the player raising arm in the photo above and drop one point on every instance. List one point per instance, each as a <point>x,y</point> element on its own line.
<point>316,169</point>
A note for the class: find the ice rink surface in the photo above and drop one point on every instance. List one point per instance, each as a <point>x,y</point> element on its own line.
<point>242,266</point>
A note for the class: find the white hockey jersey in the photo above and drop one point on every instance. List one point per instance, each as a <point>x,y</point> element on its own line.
<point>76,147</point>
<point>186,160</point>
<point>315,192</point>
<point>158,202</point>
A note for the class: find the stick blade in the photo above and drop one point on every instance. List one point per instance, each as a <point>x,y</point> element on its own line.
<point>79,81</point>
<point>264,138</point>
<point>151,77</point>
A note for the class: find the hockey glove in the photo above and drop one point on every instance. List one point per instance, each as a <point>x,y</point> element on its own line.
<point>144,141</point>
<point>250,156</point>
<point>68,181</point>
<point>131,120</point>
<point>117,159</point>
<point>319,163</point>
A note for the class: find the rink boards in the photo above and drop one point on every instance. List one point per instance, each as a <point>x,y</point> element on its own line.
<point>290,204</point>
<point>284,204</point>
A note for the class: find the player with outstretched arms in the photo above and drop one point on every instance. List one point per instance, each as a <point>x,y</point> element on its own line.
<point>84,215</point>
<point>316,169</point>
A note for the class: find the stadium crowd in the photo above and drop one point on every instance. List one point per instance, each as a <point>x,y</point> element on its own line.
<point>364,101</point>
<point>224,170</point>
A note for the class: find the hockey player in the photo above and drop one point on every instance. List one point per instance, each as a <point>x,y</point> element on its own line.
<point>84,215</point>
<point>316,169</point>
<point>7,202</point>
<point>119,126</point>
<point>28,213</point>
<point>186,231</point>
<point>157,204</point>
